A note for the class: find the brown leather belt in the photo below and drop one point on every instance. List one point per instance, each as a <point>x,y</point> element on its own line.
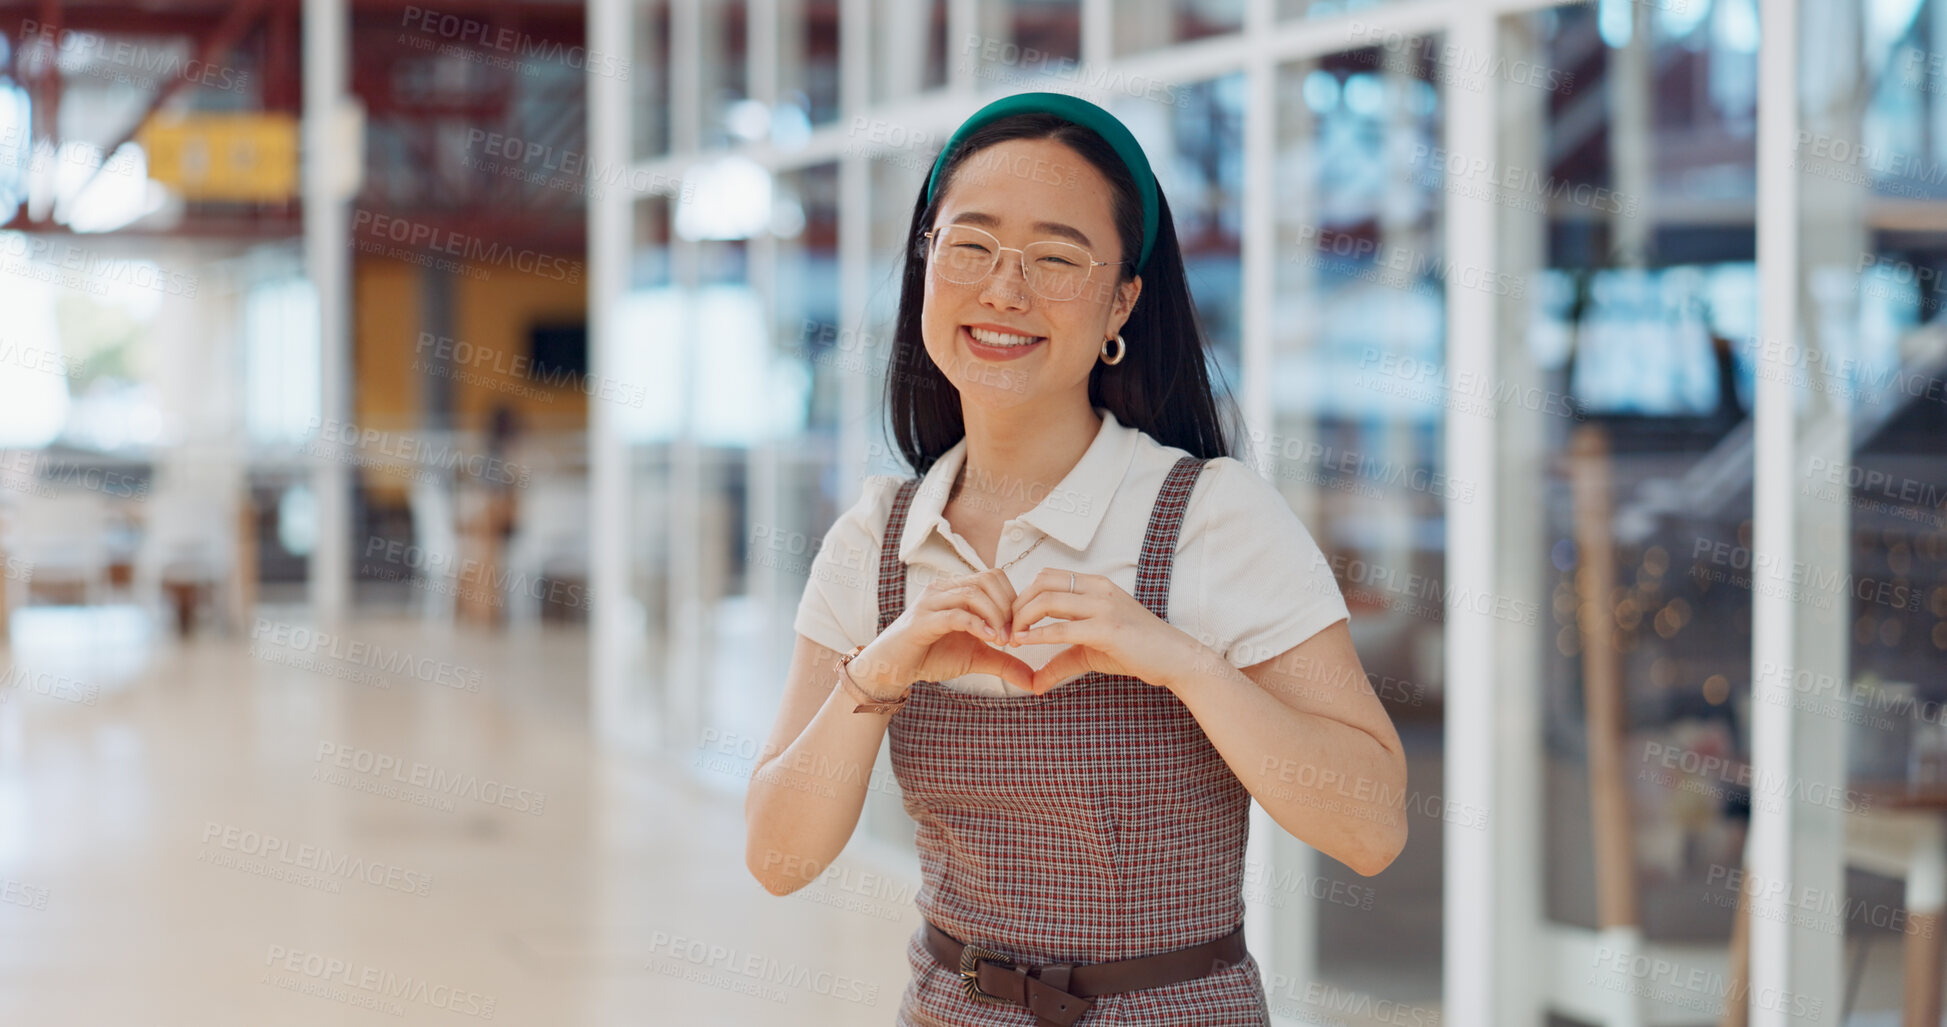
<point>1059,993</point>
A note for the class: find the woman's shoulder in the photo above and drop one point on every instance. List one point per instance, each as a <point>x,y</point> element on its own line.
<point>874,502</point>
<point>1225,484</point>
<point>856,537</point>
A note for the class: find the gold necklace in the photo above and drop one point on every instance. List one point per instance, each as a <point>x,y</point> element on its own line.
<point>957,478</point>
<point>1009,563</point>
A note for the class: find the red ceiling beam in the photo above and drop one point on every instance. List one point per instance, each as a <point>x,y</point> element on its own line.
<point>220,41</point>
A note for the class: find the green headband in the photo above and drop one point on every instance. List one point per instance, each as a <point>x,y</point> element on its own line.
<point>1081,112</point>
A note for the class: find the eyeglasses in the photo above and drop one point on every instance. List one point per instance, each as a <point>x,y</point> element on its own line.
<point>1054,270</point>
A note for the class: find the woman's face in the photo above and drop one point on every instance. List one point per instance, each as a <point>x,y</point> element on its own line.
<point>1022,191</point>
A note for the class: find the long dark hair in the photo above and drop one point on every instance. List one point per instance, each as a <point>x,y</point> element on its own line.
<point>1161,387</point>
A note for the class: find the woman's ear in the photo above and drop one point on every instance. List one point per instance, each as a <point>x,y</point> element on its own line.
<point>1125,303</point>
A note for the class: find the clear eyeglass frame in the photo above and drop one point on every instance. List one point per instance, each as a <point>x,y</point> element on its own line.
<point>1088,260</point>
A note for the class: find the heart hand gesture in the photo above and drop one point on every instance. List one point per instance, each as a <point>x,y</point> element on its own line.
<point>1108,630</point>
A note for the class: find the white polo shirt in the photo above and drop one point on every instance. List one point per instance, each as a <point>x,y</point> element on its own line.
<point>1248,580</point>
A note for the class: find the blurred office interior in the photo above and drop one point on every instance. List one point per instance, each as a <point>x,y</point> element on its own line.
<point>417,423</point>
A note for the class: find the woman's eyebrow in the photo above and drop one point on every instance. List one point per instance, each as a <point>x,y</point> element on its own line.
<point>974,217</point>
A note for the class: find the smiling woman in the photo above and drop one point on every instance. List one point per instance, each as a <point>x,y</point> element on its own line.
<point>1078,740</point>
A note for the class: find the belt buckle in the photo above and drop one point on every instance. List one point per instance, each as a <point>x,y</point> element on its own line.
<point>970,957</point>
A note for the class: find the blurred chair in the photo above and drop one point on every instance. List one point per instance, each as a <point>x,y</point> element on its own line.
<point>60,539</point>
<point>188,557</point>
<point>435,531</point>
<point>549,545</point>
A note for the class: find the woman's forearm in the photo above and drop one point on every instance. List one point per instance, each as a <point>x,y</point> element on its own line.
<point>1330,784</point>
<point>804,802</point>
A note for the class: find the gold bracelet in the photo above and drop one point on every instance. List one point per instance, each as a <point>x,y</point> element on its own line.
<point>868,703</point>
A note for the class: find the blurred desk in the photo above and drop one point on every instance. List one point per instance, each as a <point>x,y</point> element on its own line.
<point>1902,833</point>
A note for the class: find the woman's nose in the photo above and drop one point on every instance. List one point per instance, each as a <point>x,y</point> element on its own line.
<point>1006,284</point>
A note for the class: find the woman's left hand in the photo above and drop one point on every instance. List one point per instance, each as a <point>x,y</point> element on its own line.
<point>1107,630</point>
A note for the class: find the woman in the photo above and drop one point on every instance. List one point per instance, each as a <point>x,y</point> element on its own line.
<point>1090,634</point>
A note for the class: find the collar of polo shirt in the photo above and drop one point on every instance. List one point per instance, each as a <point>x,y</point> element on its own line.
<point>1069,513</point>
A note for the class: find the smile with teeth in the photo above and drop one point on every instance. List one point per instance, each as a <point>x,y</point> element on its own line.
<point>1002,340</point>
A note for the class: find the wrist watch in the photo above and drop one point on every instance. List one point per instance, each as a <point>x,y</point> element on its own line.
<point>868,703</point>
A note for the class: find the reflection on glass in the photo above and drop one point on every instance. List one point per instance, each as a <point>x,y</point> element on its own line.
<point>1196,148</point>
<point>1358,324</point>
<point>909,47</point>
<point>281,360</point>
<point>1026,46</point>
<point>649,92</point>
<point>814,348</point>
<point>727,120</point>
<point>807,71</point>
<point>1326,8</point>
<point>1631,376</point>
<point>1150,24</point>
<point>654,357</point>
<point>811,353</point>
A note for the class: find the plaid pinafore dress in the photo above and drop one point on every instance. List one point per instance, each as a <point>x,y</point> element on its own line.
<point>1093,822</point>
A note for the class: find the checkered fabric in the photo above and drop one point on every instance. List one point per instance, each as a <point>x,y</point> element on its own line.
<point>1090,823</point>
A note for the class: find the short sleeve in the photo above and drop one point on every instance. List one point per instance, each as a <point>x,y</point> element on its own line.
<point>840,605</point>
<point>1266,586</point>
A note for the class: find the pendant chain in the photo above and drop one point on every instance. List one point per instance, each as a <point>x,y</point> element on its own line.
<point>957,479</point>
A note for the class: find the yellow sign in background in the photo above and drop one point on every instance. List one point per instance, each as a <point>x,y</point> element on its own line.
<point>242,157</point>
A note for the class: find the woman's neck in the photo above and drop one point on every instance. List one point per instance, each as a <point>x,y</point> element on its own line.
<point>1022,453</point>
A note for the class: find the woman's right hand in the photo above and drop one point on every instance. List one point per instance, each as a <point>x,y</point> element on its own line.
<point>953,629</point>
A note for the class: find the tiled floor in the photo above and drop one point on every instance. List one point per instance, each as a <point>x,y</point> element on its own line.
<point>497,862</point>
<point>406,825</point>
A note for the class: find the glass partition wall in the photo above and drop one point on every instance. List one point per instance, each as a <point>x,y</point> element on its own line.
<point>1593,343</point>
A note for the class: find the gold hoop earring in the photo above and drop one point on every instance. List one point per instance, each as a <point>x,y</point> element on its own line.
<point>1121,348</point>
